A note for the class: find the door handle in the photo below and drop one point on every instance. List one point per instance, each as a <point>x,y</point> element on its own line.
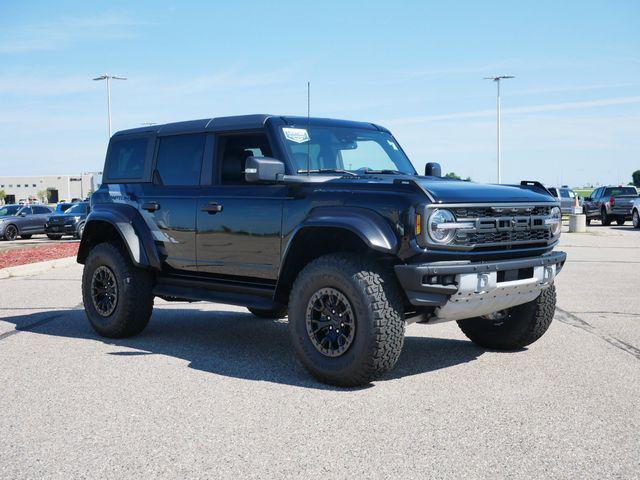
<point>212,208</point>
<point>151,206</point>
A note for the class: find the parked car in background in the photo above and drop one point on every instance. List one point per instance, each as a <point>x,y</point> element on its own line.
<point>63,207</point>
<point>635,213</point>
<point>24,221</point>
<point>610,204</point>
<point>71,222</point>
<point>566,197</point>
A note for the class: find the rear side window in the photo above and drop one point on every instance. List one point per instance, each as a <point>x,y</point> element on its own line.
<point>126,159</point>
<point>180,159</point>
<point>40,210</point>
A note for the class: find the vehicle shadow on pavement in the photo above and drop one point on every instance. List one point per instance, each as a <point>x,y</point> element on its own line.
<point>235,344</point>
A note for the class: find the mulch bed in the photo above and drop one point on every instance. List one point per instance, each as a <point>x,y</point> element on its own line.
<point>23,256</point>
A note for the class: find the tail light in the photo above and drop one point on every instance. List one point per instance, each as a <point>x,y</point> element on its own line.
<point>612,201</point>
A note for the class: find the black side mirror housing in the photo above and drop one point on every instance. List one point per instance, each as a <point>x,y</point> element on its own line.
<point>586,199</point>
<point>263,169</point>
<point>432,169</point>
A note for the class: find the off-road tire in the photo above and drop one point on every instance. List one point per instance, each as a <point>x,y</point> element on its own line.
<point>269,313</point>
<point>134,299</point>
<point>524,324</point>
<point>606,219</point>
<point>53,237</point>
<point>620,221</point>
<point>26,237</point>
<point>10,232</point>
<point>79,231</point>
<point>636,219</point>
<point>379,319</point>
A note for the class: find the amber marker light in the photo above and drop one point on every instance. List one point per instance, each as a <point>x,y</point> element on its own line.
<point>418,224</point>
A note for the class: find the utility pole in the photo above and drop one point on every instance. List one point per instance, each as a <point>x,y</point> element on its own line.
<point>108,78</point>
<point>497,80</point>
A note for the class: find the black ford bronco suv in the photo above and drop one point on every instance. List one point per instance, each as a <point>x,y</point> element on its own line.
<point>323,221</point>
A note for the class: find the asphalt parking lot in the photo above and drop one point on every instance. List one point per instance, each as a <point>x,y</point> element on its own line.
<point>209,391</point>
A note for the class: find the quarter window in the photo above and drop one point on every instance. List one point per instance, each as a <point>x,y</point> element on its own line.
<point>126,159</point>
<point>180,160</point>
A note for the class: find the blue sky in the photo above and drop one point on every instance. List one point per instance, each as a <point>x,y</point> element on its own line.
<point>572,115</point>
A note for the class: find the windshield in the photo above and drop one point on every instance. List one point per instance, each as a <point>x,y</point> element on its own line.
<point>344,148</point>
<point>78,208</point>
<point>9,210</point>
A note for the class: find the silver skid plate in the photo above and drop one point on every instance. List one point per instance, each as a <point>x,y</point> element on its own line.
<point>480,294</point>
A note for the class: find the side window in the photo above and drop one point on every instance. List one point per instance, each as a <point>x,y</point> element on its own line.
<point>233,151</point>
<point>564,193</point>
<point>40,210</point>
<point>126,159</point>
<point>596,194</point>
<point>180,160</point>
<point>26,211</point>
<point>553,191</point>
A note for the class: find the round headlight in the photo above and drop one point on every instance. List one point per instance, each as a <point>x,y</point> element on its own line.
<point>439,234</point>
<point>555,221</point>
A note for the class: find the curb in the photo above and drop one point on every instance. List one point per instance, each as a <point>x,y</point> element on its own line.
<point>35,268</point>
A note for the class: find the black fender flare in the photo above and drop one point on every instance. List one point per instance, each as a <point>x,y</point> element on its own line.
<point>132,229</point>
<point>371,227</point>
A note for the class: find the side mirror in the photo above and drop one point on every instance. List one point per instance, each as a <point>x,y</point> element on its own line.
<point>432,170</point>
<point>262,169</point>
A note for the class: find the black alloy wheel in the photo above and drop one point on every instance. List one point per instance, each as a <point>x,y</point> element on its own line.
<point>104,291</point>
<point>330,322</point>
<point>10,232</point>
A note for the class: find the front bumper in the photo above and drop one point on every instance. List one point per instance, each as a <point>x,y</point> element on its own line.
<point>61,229</point>
<point>445,291</point>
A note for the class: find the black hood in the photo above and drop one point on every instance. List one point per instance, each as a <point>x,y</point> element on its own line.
<point>457,191</point>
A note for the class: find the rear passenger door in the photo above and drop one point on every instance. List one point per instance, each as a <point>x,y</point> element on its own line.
<point>169,201</point>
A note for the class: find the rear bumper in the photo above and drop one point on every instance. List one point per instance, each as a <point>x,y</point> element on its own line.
<point>443,291</point>
<point>622,212</point>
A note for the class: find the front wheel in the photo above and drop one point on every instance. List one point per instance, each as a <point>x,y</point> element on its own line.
<point>636,219</point>
<point>346,319</point>
<point>117,296</point>
<point>10,232</point>
<point>515,327</point>
<point>80,230</point>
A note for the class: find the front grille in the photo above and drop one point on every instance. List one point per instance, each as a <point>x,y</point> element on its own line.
<point>474,238</point>
<point>500,227</point>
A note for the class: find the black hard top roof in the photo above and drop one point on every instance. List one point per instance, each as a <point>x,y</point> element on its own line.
<point>243,122</point>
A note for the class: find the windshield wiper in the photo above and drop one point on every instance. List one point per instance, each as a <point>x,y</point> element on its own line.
<point>330,170</point>
<point>384,171</point>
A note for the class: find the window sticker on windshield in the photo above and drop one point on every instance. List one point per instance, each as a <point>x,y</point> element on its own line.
<point>393,145</point>
<point>298,135</point>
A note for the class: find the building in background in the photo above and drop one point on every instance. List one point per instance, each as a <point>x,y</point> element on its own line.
<point>54,187</point>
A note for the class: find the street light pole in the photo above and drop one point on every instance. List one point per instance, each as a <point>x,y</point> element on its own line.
<point>497,80</point>
<point>108,78</point>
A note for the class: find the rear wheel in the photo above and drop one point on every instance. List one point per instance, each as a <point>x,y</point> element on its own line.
<point>269,313</point>
<point>117,296</point>
<point>515,327</point>
<point>53,237</point>
<point>10,232</point>
<point>346,319</point>
<point>606,219</point>
<point>26,237</point>
<point>636,219</point>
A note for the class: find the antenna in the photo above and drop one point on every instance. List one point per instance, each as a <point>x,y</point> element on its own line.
<point>308,127</point>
